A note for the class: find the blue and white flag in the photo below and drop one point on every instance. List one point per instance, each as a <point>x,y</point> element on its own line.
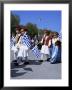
<point>36,52</point>
<point>26,40</point>
<point>11,43</point>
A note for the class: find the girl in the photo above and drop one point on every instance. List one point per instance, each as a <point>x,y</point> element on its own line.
<point>56,54</point>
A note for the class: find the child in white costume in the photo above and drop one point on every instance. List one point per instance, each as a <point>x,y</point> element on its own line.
<point>45,47</point>
<point>23,48</point>
<point>14,40</point>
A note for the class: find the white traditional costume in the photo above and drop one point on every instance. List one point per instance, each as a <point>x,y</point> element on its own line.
<point>14,49</point>
<point>45,49</point>
<point>23,48</point>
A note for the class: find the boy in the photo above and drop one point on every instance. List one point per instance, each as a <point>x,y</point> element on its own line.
<point>45,47</point>
<point>15,41</point>
<point>23,48</point>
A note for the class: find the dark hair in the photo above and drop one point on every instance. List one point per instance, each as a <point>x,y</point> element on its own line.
<point>47,32</point>
<point>58,43</point>
<point>24,28</point>
<point>56,34</point>
<point>18,27</point>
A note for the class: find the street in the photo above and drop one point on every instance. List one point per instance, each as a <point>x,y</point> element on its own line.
<point>35,70</point>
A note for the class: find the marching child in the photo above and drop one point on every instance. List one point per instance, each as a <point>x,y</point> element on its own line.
<point>23,47</point>
<point>45,47</point>
<point>14,40</point>
<point>56,53</point>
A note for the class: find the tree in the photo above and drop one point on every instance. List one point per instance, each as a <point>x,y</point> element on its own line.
<point>32,29</point>
<point>15,20</point>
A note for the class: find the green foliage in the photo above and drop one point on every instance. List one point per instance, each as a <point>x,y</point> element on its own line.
<point>15,20</point>
<point>32,29</point>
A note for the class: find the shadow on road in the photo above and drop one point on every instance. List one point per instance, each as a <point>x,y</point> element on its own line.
<point>31,62</point>
<point>15,74</point>
<point>14,66</point>
<point>28,69</point>
<point>34,62</point>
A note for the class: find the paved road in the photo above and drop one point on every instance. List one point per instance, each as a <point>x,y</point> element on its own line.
<point>36,70</point>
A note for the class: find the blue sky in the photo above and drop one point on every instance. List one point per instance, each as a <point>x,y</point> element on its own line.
<point>43,19</point>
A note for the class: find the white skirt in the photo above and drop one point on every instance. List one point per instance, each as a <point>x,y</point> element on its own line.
<point>45,50</point>
<point>23,51</point>
<point>14,52</point>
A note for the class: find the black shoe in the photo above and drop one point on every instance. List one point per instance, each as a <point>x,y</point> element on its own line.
<point>40,60</point>
<point>26,63</point>
<point>15,61</point>
<point>21,63</point>
<point>48,59</point>
<point>16,64</point>
<point>52,62</point>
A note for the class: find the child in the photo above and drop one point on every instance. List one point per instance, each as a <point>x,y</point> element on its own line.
<point>56,53</point>
<point>45,49</point>
<point>23,48</point>
<point>50,45</point>
<point>14,40</point>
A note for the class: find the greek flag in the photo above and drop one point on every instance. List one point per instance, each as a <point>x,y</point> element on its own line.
<point>11,43</point>
<point>36,52</point>
<point>26,40</point>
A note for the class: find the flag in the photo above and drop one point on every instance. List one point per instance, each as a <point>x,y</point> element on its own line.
<point>26,40</point>
<point>36,52</point>
<point>11,43</point>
